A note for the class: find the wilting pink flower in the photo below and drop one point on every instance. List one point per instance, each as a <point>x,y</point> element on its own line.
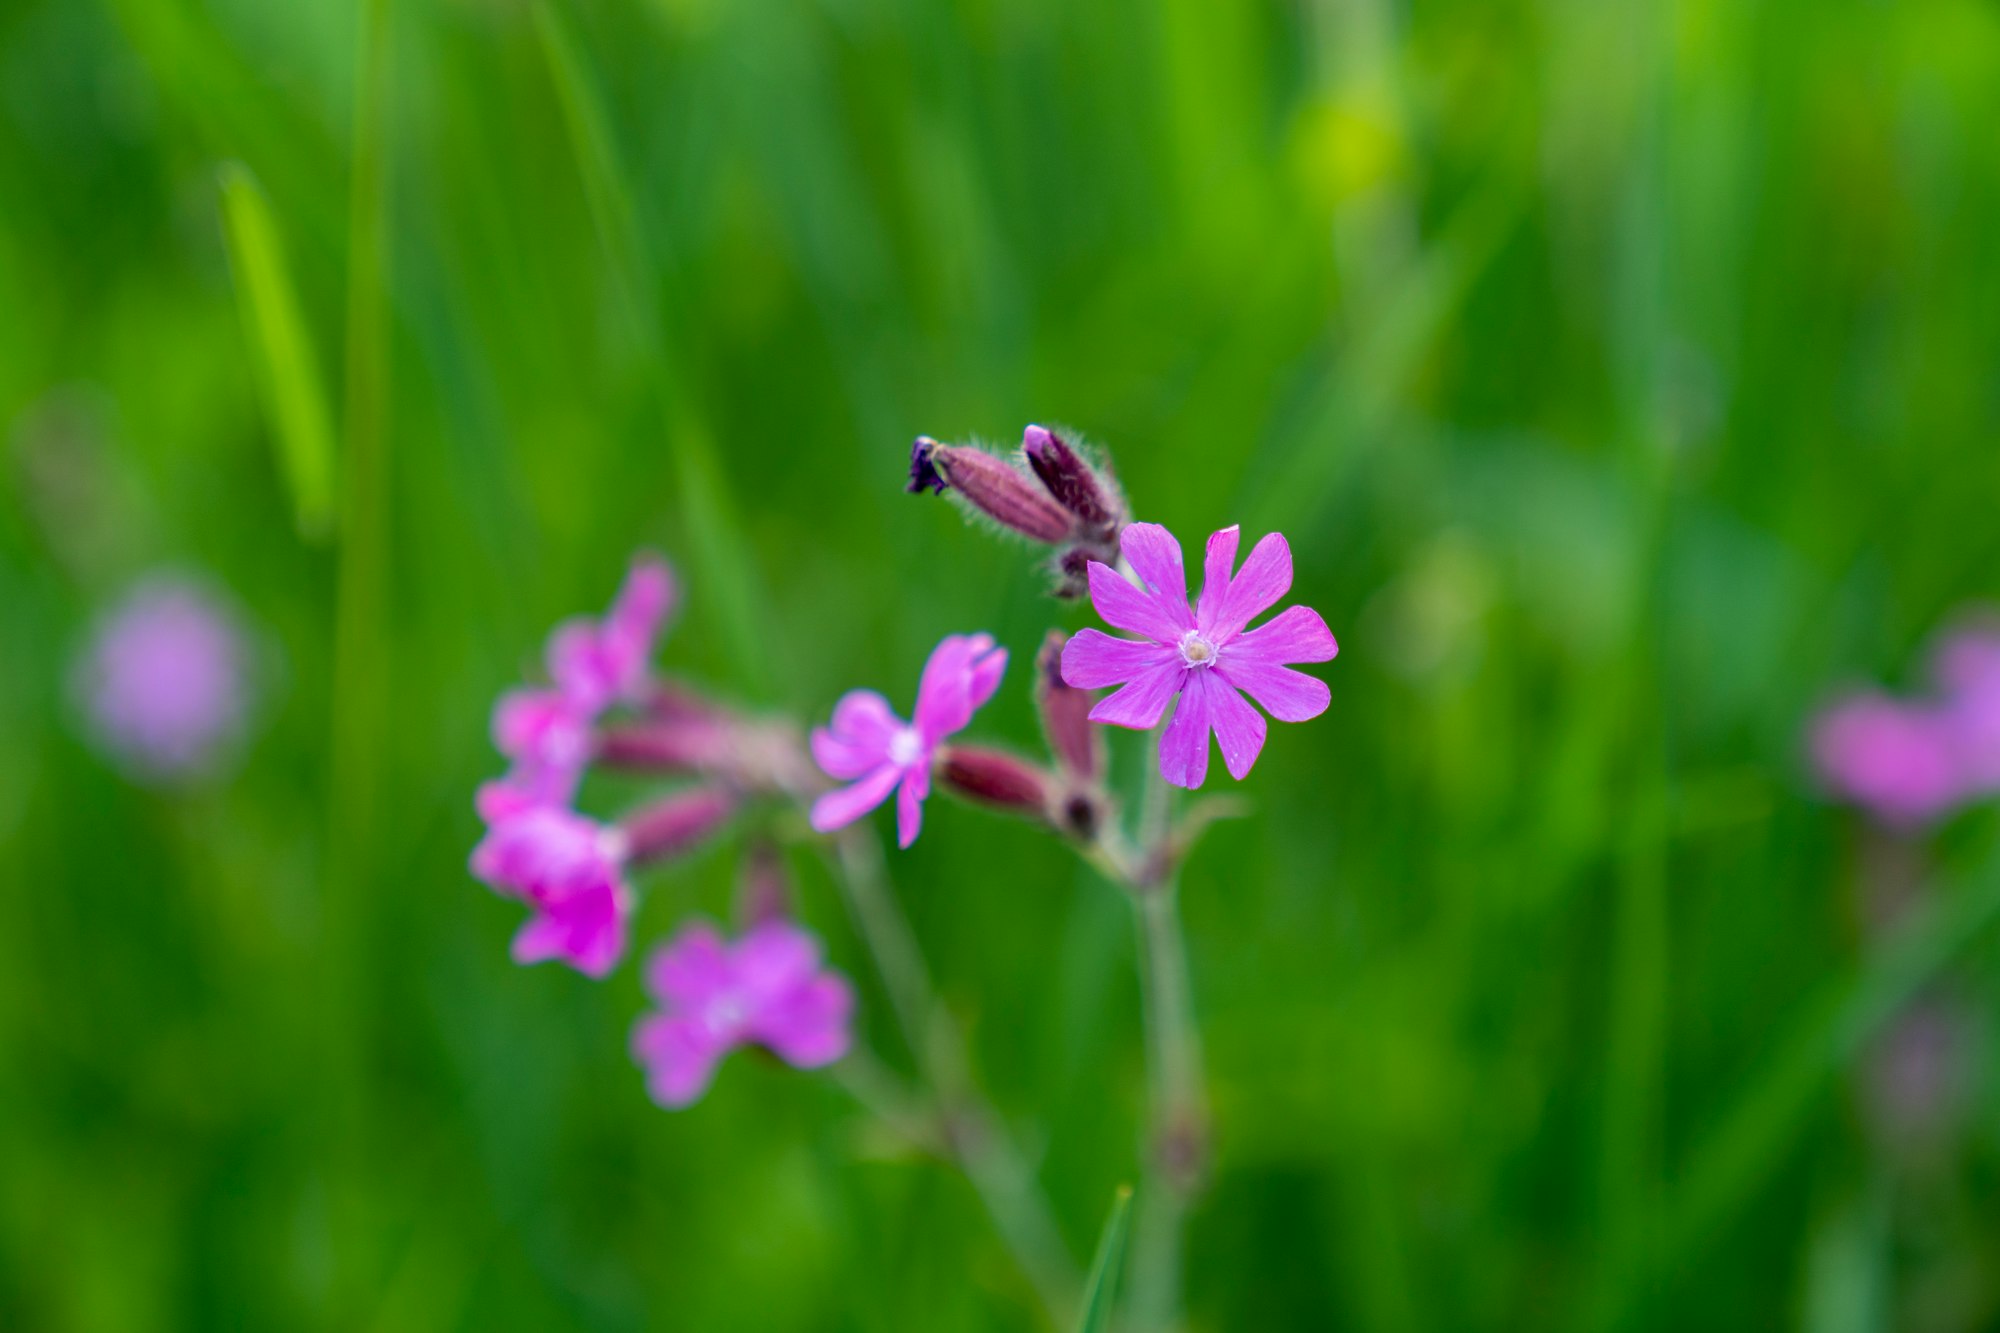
<point>594,664</point>
<point>1200,654</point>
<point>570,872</point>
<point>165,679</point>
<point>1894,759</point>
<point>869,742</point>
<point>768,989</point>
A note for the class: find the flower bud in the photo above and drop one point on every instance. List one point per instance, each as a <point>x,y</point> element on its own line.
<point>676,824</point>
<point>992,486</point>
<point>996,778</point>
<point>764,892</point>
<point>1072,481</point>
<point>685,743</point>
<point>1076,741</point>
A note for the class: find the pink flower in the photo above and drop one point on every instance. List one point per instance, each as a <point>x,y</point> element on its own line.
<point>1895,759</point>
<point>1200,653</point>
<point>570,872</point>
<point>768,988</point>
<point>1967,669</point>
<point>546,732</point>
<point>869,742</point>
<point>166,680</point>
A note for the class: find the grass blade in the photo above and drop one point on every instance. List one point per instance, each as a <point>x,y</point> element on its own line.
<point>288,374</point>
<point>1100,1291</point>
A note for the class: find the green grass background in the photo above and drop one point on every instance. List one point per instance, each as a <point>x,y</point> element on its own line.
<point>1625,377</point>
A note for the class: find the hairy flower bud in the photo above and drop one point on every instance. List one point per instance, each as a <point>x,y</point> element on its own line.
<point>1072,481</point>
<point>992,486</point>
<point>996,778</point>
<point>676,824</point>
<point>1076,741</point>
<point>681,743</point>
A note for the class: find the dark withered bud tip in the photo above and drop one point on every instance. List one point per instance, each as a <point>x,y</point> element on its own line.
<point>1072,480</point>
<point>996,778</point>
<point>923,469</point>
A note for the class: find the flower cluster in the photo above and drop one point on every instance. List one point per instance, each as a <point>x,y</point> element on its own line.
<point>1911,761</point>
<point>603,708</point>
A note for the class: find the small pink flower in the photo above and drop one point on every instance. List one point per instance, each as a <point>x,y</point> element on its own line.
<point>546,732</point>
<point>166,680</point>
<point>570,872</point>
<point>1967,669</point>
<point>869,742</point>
<point>1895,759</point>
<point>1200,653</point>
<point>596,663</point>
<point>768,989</point>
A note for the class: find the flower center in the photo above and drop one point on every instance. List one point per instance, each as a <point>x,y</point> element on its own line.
<point>906,747</point>
<point>1196,650</point>
<point>725,1015</point>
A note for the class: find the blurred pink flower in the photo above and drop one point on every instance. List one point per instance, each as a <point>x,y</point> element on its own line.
<point>1897,760</point>
<point>570,872</point>
<point>768,988</point>
<point>165,679</point>
<point>1200,653</point>
<point>1967,670</point>
<point>869,742</point>
<point>594,664</point>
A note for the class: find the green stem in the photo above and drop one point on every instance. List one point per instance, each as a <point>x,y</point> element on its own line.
<point>1178,1115</point>
<point>973,1132</point>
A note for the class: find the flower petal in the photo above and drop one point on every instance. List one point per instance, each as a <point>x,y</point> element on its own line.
<point>1184,744</point>
<point>1239,728</point>
<point>586,930</point>
<point>1126,607</point>
<point>1221,559</point>
<point>1287,695</point>
<point>1155,556</point>
<point>774,959</point>
<point>960,676</point>
<point>910,806</point>
<point>680,1056</point>
<point>808,1026</point>
<point>691,968</point>
<point>1265,577</point>
<point>858,740</point>
<point>838,809</point>
<point>987,669</point>
<point>1140,703</point>
<point>1295,634</point>
<point>1092,659</point>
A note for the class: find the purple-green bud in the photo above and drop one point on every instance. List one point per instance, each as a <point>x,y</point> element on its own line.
<point>1076,741</point>
<point>992,486</point>
<point>996,778</point>
<point>676,824</point>
<point>1072,481</point>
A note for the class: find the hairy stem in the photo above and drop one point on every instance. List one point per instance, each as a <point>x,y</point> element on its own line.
<point>973,1133</point>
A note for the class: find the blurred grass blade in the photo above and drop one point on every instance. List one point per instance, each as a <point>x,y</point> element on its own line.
<point>1753,1139</point>
<point>1100,1291</point>
<point>707,513</point>
<point>288,372</point>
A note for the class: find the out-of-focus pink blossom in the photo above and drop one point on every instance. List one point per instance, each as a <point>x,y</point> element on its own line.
<point>165,680</point>
<point>1897,760</point>
<point>869,746</point>
<point>1200,654</point>
<point>594,664</point>
<point>767,989</point>
<point>569,870</point>
<point>1967,670</point>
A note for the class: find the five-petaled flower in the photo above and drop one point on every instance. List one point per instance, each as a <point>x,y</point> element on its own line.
<point>1200,653</point>
<point>592,664</point>
<point>768,988</point>
<point>570,872</point>
<point>869,746</point>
